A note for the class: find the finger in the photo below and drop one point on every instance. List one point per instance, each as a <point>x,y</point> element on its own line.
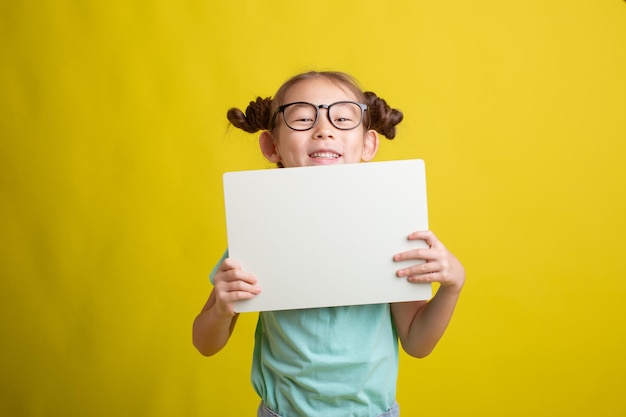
<point>429,277</point>
<point>242,294</point>
<point>420,269</point>
<point>239,275</point>
<point>422,234</point>
<point>231,275</point>
<point>423,241</point>
<point>427,236</point>
<point>229,264</point>
<point>237,290</point>
<point>414,254</point>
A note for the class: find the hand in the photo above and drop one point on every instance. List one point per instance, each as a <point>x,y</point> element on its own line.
<point>233,284</point>
<point>439,265</point>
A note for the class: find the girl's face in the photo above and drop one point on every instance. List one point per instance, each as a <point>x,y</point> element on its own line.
<point>324,144</point>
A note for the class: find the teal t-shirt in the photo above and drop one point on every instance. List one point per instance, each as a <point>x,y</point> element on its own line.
<point>335,361</point>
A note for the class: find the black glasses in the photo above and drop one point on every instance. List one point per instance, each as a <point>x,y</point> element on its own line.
<point>344,115</point>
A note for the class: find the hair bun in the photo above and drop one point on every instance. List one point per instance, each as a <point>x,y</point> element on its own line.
<point>257,116</point>
<point>383,118</point>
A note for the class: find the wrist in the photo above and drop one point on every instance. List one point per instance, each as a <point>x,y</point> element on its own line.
<point>451,289</point>
<point>220,315</point>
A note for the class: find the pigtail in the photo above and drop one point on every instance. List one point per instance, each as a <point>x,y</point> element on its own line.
<point>258,116</point>
<point>382,118</point>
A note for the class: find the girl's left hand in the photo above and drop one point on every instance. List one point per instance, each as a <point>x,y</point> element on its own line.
<point>439,264</point>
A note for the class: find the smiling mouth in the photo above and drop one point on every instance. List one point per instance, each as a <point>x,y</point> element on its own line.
<point>324,155</point>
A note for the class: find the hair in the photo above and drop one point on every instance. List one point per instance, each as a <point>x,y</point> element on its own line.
<point>261,113</point>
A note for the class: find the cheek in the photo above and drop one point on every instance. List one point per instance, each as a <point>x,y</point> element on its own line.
<point>288,147</point>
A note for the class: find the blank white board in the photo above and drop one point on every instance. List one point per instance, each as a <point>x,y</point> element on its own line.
<point>325,236</point>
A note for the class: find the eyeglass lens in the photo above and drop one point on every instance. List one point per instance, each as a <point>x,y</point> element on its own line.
<point>343,115</point>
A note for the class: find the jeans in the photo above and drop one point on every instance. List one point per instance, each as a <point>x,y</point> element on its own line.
<point>263,411</point>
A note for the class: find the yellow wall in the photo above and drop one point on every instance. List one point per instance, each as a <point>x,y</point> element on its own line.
<point>113,141</point>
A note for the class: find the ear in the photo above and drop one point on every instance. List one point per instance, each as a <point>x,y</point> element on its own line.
<point>268,147</point>
<point>370,145</point>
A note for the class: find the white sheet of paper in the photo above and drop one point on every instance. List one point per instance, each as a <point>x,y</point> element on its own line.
<point>325,236</point>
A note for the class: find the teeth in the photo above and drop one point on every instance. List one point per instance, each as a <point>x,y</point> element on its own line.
<point>324,155</point>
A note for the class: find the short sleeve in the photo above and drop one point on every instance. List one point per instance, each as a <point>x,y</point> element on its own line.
<point>217,266</point>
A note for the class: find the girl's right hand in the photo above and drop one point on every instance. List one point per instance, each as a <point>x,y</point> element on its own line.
<point>231,283</point>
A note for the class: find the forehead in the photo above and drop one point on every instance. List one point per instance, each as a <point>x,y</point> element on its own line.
<point>319,91</point>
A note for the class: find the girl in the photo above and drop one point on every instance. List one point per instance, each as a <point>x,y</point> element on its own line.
<point>339,361</point>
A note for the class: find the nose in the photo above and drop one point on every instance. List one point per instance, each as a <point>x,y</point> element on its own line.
<point>323,129</point>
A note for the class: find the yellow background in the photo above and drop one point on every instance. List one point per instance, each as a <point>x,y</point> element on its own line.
<point>113,140</point>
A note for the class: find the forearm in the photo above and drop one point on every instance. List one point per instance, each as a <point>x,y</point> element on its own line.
<point>430,322</point>
<point>211,331</point>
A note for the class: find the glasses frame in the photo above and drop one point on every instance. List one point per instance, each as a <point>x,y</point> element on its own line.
<point>281,109</point>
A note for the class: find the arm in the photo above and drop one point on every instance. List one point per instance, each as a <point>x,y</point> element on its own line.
<point>215,323</point>
<point>421,324</point>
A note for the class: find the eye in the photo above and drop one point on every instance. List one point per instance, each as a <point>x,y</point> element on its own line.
<point>300,115</point>
<point>301,119</point>
<point>345,115</point>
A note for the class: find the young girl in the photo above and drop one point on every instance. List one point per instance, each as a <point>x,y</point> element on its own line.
<point>339,361</point>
